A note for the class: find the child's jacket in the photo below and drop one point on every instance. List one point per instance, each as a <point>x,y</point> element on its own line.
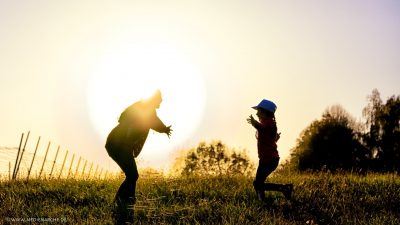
<point>266,139</point>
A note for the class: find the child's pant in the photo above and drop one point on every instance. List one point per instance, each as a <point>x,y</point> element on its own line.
<point>263,171</point>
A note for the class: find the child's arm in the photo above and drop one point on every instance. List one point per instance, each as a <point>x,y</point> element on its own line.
<point>253,122</point>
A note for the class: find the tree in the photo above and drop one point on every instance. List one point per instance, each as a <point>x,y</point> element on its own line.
<point>330,143</point>
<point>382,137</point>
<point>371,112</point>
<point>215,159</point>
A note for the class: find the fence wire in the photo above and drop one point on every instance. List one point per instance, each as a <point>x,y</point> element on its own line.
<point>49,161</point>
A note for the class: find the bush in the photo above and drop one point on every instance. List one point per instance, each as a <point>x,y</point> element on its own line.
<point>216,159</point>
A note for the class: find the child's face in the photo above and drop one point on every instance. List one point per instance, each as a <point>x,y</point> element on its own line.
<point>260,114</point>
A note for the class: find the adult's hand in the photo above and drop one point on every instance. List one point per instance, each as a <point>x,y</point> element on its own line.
<point>168,131</point>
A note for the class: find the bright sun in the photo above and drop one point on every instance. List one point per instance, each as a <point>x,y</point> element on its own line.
<point>131,73</point>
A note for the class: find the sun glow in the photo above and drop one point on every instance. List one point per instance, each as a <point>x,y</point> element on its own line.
<point>128,74</point>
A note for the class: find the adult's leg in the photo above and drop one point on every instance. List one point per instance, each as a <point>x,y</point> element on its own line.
<point>128,187</point>
<point>125,196</point>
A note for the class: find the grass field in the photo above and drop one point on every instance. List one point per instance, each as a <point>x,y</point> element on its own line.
<point>320,198</point>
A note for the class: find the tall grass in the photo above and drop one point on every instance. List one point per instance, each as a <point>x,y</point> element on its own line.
<point>320,198</point>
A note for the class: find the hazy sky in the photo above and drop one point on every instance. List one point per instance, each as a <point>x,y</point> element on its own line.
<point>303,55</point>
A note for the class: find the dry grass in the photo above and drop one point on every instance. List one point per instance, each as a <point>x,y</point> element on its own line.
<point>318,199</point>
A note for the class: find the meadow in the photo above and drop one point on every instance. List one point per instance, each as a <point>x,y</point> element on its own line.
<point>318,198</point>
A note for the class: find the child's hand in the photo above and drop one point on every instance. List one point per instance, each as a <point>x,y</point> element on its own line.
<point>278,135</point>
<point>251,119</point>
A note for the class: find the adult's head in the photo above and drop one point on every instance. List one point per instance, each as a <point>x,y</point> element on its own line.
<point>155,100</point>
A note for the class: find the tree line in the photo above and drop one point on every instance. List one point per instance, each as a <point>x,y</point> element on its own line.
<point>336,141</point>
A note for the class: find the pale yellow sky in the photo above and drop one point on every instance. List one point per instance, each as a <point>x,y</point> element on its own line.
<point>305,56</point>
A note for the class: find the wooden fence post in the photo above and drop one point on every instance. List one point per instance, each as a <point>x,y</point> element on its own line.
<point>101,171</point>
<point>62,167</point>
<point>16,160</point>
<point>90,170</point>
<point>95,171</point>
<point>22,154</point>
<point>77,167</point>
<point>13,174</point>
<point>84,168</point>
<point>45,157</point>
<point>70,166</point>
<point>33,158</point>
<point>54,162</point>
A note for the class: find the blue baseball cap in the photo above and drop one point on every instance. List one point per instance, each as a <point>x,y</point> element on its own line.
<point>266,105</point>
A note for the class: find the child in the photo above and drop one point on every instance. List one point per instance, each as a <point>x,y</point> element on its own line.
<point>268,155</point>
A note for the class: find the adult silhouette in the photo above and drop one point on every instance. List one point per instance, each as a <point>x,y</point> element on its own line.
<point>125,142</point>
